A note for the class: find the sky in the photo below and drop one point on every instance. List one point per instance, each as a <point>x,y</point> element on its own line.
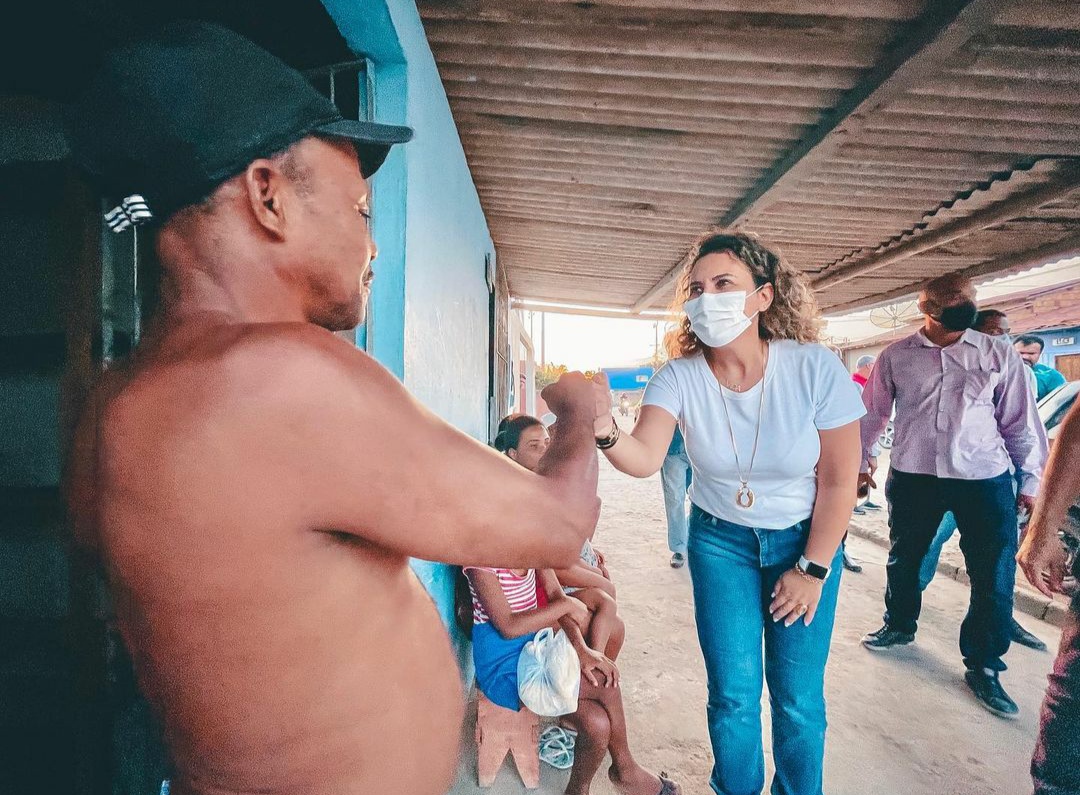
<point>587,343</point>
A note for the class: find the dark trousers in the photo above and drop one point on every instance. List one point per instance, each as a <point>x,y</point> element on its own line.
<point>985,512</point>
<point>1055,768</point>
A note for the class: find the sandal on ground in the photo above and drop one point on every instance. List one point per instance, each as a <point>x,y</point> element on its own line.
<point>667,786</point>
<point>557,747</point>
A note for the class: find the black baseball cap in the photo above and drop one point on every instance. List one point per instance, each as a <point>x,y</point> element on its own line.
<point>172,115</point>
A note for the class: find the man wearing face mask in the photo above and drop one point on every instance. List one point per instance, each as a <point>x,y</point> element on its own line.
<point>964,413</point>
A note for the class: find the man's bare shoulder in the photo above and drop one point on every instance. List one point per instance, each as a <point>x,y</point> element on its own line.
<point>281,357</point>
<point>303,362</point>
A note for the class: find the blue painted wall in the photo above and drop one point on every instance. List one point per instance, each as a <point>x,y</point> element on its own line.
<point>1056,343</point>
<point>429,310</point>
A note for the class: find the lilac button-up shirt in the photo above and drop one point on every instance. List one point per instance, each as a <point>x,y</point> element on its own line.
<point>964,411</point>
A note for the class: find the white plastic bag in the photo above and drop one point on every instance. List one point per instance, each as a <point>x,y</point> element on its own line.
<point>549,674</point>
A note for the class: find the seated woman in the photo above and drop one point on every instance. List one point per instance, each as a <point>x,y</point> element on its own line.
<point>509,605</point>
<point>524,439</point>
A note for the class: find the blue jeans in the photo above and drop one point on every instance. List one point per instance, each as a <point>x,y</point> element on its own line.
<point>675,478</point>
<point>933,555</point>
<point>985,512</point>
<point>734,569</point>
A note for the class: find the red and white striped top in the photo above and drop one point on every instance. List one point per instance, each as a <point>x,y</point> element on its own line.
<point>520,591</point>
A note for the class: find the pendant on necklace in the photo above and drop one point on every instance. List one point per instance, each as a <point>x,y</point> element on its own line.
<point>744,497</point>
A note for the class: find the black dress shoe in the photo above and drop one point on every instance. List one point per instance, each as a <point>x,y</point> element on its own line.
<point>850,564</point>
<point>1025,638</point>
<point>986,687</point>
<point>885,639</point>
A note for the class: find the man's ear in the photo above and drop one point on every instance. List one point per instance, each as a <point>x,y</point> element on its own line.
<point>264,189</point>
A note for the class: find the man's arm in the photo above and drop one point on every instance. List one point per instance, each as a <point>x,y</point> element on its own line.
<point>1042,557</point>
<point>360,456</point>
<point>1019,424</point>
<point>878,396</point>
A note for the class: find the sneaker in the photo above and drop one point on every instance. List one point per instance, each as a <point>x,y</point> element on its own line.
<point>1025,638</point>
<point>871,506</point>
<point>986,687</point>
<point>885,639</point>
<point>678,560</point>
<point>858,511</point>
<point>850,564</point>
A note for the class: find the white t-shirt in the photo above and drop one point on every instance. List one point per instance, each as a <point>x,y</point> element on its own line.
<point>807,389</point>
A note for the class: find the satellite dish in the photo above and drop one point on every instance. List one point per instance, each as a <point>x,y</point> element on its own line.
<point>895,316</point>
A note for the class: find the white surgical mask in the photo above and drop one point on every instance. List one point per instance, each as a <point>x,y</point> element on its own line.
<point>718,318</point>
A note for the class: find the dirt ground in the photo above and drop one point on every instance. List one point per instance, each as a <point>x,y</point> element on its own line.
<point>899,724</point>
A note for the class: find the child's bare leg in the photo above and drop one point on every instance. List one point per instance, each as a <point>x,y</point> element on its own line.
<point>604,617</point>
<point>594,733</point>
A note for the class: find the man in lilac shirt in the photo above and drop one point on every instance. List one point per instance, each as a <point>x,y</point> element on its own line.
<point>964,419</point>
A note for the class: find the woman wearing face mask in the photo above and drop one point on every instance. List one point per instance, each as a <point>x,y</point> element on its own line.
<point>770,419</point>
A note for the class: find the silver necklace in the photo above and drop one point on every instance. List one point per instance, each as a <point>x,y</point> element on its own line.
<point>744,496</point>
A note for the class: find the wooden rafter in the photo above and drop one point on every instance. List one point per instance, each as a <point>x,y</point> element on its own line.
<point>932,43</point>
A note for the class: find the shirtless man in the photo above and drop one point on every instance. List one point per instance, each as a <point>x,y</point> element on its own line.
<point>253,484</point>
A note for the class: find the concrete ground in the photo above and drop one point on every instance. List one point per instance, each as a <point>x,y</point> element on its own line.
<point>901,723</point>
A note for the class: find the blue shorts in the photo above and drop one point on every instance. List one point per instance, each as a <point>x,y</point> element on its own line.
<point>496,661</point>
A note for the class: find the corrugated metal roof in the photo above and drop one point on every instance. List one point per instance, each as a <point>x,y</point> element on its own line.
<point>605,136</point>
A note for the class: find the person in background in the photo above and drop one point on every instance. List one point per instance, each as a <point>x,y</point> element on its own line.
<point>862,371</point>
<point>1030,349</point>
<point>1055,766</point>
<point>864,365</point>
<point>964,419</point>
<point>993,323</point>
<point>675,478</point>
<point>600,719</point>
<point>770,420</point>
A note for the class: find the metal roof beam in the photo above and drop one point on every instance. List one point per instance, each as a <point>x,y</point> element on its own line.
<point>929,49</point>
<point>1052,252</point>
<point>977,221</point>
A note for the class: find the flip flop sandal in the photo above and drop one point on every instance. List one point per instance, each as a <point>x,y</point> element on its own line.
<point>667,786</point>
<point>557,747</point>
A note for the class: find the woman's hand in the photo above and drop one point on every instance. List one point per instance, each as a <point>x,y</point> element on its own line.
<point>597,668</point>
<point>796,595</point>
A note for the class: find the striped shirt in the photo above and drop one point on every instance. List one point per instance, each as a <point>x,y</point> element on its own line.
<point>519,590</point>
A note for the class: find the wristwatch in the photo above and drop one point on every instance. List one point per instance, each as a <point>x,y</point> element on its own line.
<point>607,442</point>
<point>811,569</point>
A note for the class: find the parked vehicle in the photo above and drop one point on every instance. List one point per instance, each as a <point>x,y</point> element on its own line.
<point>1054,407</point>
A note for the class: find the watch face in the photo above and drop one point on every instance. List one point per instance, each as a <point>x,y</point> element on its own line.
<point>813,569</point>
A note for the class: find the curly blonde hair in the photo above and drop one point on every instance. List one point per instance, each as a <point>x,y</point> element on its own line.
<point>793,314</point>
